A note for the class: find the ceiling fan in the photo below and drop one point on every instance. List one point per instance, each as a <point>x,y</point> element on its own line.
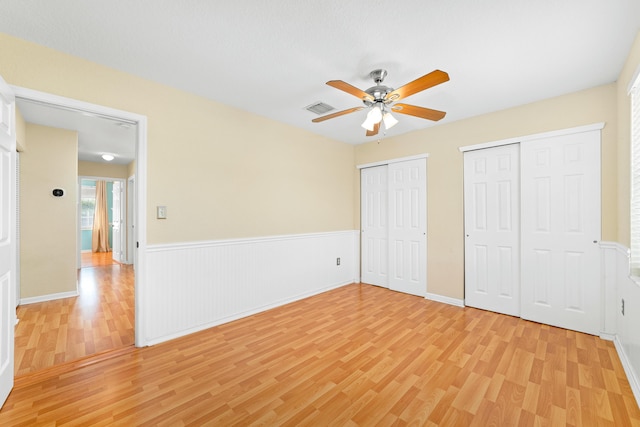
<point>381,99</point>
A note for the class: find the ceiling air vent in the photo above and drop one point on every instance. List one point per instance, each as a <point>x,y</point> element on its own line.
<point>319,108</point>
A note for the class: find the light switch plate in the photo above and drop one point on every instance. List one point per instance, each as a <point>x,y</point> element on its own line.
<point>161,212</point>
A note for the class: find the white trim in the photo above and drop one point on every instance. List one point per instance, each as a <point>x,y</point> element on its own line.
<point>141,182</point>
<point>519,139</point>
<point>635,79</point>
<point>397,160</point>
<point>141,232</point>
<point>50,297</point>
<point>242,241</point>
<point>634,382</point>
<point>101,178</point>
<point>444,300</point>
<point>74,104</point>
<point>607,337</point>
<point>614,245</point>
<point>131,220</point>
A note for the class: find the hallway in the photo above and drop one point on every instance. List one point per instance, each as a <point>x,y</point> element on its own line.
<point>100,319</point>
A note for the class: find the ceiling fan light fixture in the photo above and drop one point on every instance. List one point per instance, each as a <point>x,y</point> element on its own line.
<point>389,120</point>
<point>368,124</point>
<point>373,116</point>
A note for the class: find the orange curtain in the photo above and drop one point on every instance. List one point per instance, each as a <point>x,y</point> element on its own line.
<point>100,235</point>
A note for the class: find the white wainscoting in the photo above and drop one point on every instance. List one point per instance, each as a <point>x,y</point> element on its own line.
<point>617,285</point>
<point>194,286</point>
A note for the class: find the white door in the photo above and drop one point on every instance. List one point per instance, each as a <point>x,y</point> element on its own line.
<point>560,180</point>
<point>8,254</point>
<point>131,240</point>
<point>492,229</point>
<point>374,225</point>
<point>116,221</point>
<point>408,227</point>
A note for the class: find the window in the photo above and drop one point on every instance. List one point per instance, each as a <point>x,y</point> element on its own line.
<point>88,203</point>
<point>634,94</point>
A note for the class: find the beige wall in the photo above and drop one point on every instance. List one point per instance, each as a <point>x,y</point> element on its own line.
<point>102,170</point>
<point>48,258</point>
<point>624,138</point>
<point>445,246</point>
<point>225,173</point>
<point>222,172</point>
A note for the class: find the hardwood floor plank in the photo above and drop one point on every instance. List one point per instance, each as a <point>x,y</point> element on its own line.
<point>99,319</point>
<point>357,355</point>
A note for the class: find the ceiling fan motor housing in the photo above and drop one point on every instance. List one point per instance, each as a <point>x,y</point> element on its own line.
<point>379,91</point>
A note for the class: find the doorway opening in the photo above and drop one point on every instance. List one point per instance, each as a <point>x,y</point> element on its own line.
<point>114,247</point>
<point>57,108</point>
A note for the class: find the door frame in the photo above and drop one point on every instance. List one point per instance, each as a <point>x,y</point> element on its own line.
<point>123,209</point>
<point>131,220</point>
<point>424,156</point>
<point>141,182</point>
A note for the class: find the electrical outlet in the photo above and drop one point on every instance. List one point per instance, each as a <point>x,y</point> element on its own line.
<point>338,261</point>
<point>622,306</point>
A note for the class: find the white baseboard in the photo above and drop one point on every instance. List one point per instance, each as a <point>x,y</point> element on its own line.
<point>607,337</point>
<point>50,297</point>
<point>634,382</point>
<point>445,300</point>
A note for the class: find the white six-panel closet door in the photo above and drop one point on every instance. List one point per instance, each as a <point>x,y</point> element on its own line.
<point>561,210</point>
<point>408,227</point>
<point>374,225</point>
<point>492,229</point>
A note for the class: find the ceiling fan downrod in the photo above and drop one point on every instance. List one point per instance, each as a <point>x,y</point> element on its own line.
<point>378,75</point>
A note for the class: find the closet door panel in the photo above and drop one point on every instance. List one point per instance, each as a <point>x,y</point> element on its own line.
<point>560,230</point>
<point>492,228</point>
<point>408,227</point>
<point>374,239</point>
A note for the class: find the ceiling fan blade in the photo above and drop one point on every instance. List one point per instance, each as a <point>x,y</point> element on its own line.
<point>338,114</point>
<point>376,128</point>
<point>423,113</point>
<point>346,87</point>
<point>425,82</point>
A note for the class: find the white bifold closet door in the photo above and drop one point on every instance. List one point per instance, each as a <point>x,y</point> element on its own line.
<point>394,226</point>
<point>538,259</point>
<point>492,229</point>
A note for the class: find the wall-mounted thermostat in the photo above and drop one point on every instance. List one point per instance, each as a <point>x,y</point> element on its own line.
<point>57,192</point>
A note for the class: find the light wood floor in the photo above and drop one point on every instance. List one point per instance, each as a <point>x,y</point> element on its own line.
<point>357,355</point>
<point>98,320</point>
<point>96,259</point>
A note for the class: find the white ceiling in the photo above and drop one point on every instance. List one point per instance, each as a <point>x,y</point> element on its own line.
<point>97,135</point>
<point>273,57</point>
